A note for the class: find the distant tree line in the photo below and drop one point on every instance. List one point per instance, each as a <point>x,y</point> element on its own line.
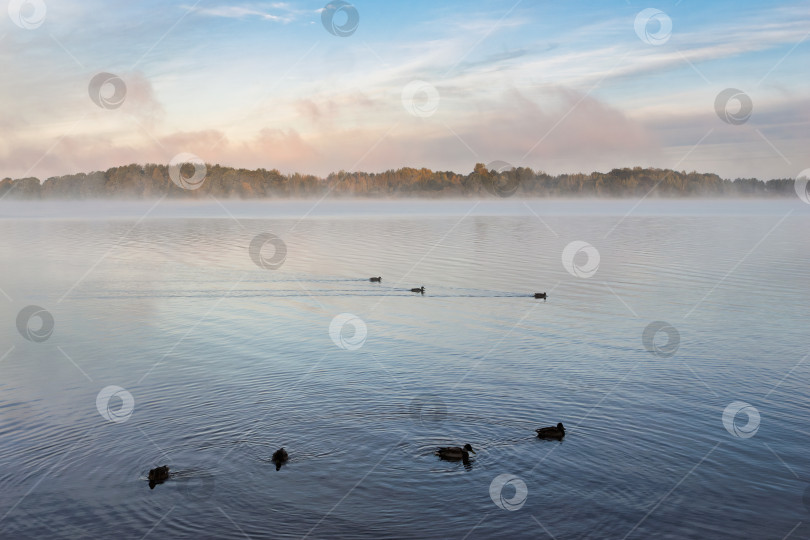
<point>152,181</point>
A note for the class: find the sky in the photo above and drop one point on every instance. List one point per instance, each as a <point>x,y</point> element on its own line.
<point>310,87</point>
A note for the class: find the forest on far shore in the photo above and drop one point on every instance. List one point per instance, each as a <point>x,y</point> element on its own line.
<point>152,181</point>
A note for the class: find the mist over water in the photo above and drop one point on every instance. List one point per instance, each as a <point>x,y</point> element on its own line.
<point>226,361</point>
<point>298,209</point>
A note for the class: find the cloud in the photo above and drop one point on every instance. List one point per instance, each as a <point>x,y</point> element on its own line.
<point>326,110</point>
<point>275,11</point>
<point>588,128</point>
<point>556,130</point>
<point>775,127</point>
<point>597,98</point>
<point>141,99</point>
<point>578,66</point>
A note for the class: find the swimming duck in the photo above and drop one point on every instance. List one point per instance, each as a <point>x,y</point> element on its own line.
<point>540,295</point>
<point>158,475</point>
<point>377,279</point>
<point>557,432</point>
<point>454,452</point>
<point>419,290</point>
<point>280,456</point>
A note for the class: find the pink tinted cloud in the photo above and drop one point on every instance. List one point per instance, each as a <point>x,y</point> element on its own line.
<point>563,129</point>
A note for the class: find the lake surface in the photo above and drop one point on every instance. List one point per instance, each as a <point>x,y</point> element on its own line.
<point>699,432</point>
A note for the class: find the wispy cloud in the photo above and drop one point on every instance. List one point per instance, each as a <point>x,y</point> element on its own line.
<point>275,11</point>
<point>319,102</point>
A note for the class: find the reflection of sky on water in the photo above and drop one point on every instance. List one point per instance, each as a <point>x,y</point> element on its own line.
<point>223,357</point>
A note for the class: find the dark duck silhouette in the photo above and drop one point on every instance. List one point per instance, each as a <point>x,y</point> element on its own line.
<point>158,476</point>
<point>455,453</point>
<point>540,295</point>
<point>553,432</point>
<point>377,279</point>
<point>419,289</point>
<point>280,457</point>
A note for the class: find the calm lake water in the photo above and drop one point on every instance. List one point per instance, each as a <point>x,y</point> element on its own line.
<point>218,362</point>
